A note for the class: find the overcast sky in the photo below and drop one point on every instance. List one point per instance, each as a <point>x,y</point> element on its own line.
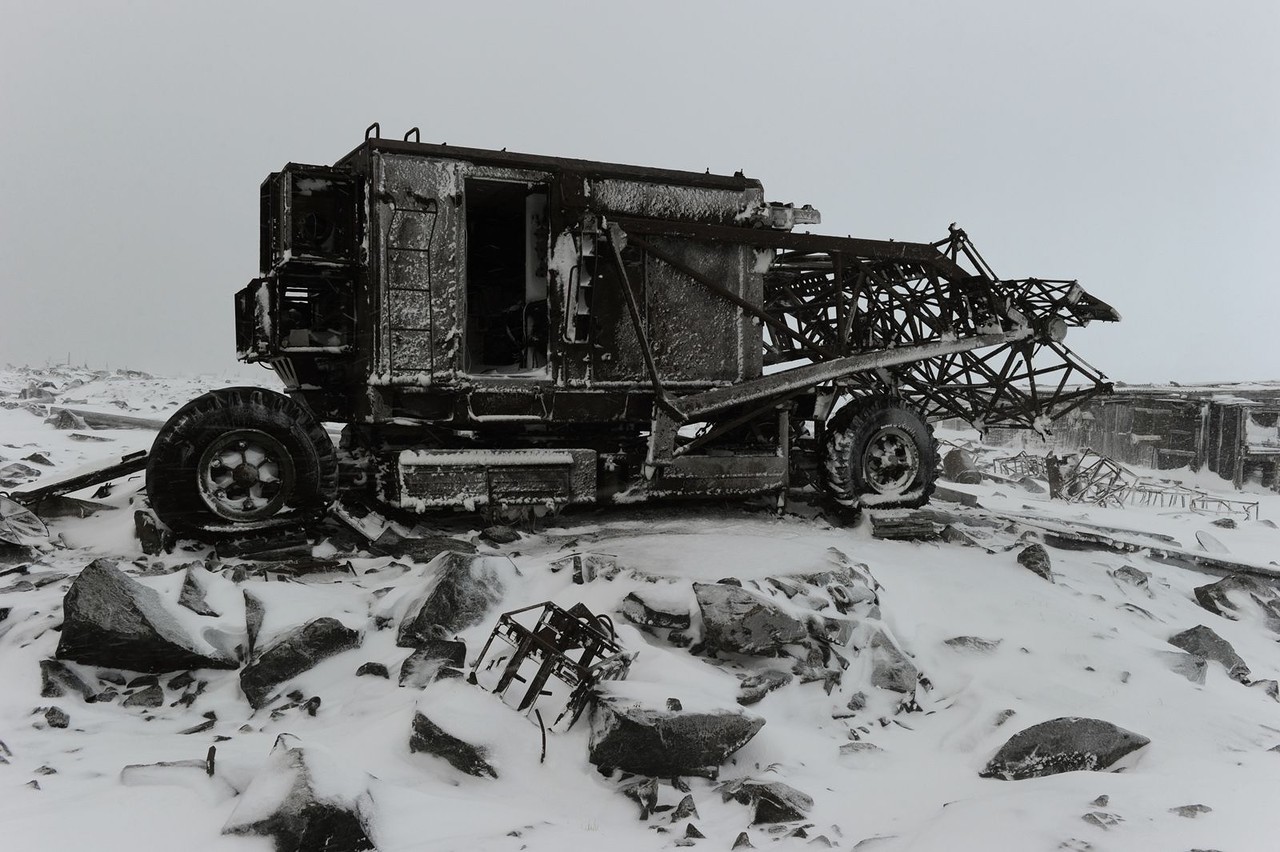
<point>1134,146</point>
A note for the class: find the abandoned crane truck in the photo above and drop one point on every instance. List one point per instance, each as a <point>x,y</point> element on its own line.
<point>496,329</point>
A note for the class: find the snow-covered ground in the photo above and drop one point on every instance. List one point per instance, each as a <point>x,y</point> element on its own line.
<point>1087,644</point>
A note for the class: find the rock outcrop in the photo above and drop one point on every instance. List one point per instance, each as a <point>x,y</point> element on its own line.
<point>294,653</point>
<point>112,620</point>
<point>465,588</point>
<point>305,801</point>
<point>666,743</point>
<point>742,622</point>
<point>1060,745</point>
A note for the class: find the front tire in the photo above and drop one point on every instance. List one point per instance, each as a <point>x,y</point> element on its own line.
<point>240,459</point>
<point>879,453</point>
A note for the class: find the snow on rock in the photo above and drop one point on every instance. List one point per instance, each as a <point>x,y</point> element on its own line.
<point>1036,559</point>
<point>739,621</point>
<point>435,659</point>
<point>294,653</point>
<point>1067,744</point>
<point>773,801</point>
<point>1203,642</point>
<point>445,726</point>
<point>305,799</point>
<point>656,607</point>
<point>1240,596</point>
<point>642,739</point>
<point>460,594</point>
<point>113,620</point>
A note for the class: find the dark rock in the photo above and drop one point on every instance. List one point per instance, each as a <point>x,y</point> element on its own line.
<point>154,538</point>
<point>200,728</point>
<point>38,458</point>
<point>312,705</point>
<point>1203,642</point>
<point>674,705</point>
<point>192,595</point>
<point>1191,811</point>
<point>665,743</point>
<point>35,393</point>
<point>373,670</point>
<point>499,534</point>
<point>1225,523</point>
<point>742,841</point>
<point>181,681</point>
<point>143,681</point>
<point>56,717</point>
<point>56,679</point>
<point>294,653</point>
<point>112,620</point>
<point>1062,745</point>
<point>1102,801</point>
<point>736,620</point>
<point>466,587</point>
<point>152,696</point>
<point>691,831</point>
<point>1036,559</point>
<point>857,701</point>
<point>759,685</point>
<point>687,809</point>
<point>429,737</point>
<point>1132,576</point>
<point>255,612</point>
<point>426,663</point>
<point>773,801</point>
<point>890,667</point>
<point>17,473</point>
<point>284,802</point>
<point>973,643</point>
<point>1102,819</point>
<point>647,613</point>
<point>1226,596</point>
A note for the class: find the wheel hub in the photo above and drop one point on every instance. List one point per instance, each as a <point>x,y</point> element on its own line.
<point>245,475</point>
<point>891,461</point>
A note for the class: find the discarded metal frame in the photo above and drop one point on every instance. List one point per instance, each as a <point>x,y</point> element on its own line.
<point>1095,478</point>
<point>1023,464</point>
<point>548,643</point>
<point>1206,505</point>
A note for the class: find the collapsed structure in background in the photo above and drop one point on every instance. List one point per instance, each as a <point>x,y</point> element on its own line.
<point>1230,430</point>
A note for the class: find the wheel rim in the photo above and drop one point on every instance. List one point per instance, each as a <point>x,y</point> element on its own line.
<point>245,475</point>
<point>891,461</point>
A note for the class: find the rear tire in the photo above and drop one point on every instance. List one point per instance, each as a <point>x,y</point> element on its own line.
<point>238,460</point>
<point>879,453</point>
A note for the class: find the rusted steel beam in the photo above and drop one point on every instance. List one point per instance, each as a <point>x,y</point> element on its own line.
<point>695,406</point>
<point>923,253</point>
<point>132,463</point>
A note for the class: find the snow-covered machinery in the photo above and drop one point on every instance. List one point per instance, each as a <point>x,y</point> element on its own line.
<point>500,329</point>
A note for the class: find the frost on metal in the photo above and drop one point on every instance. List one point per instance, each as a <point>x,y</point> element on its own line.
<point>501,329</point>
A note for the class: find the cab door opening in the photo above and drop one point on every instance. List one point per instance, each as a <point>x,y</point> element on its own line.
<point>506,330</point>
